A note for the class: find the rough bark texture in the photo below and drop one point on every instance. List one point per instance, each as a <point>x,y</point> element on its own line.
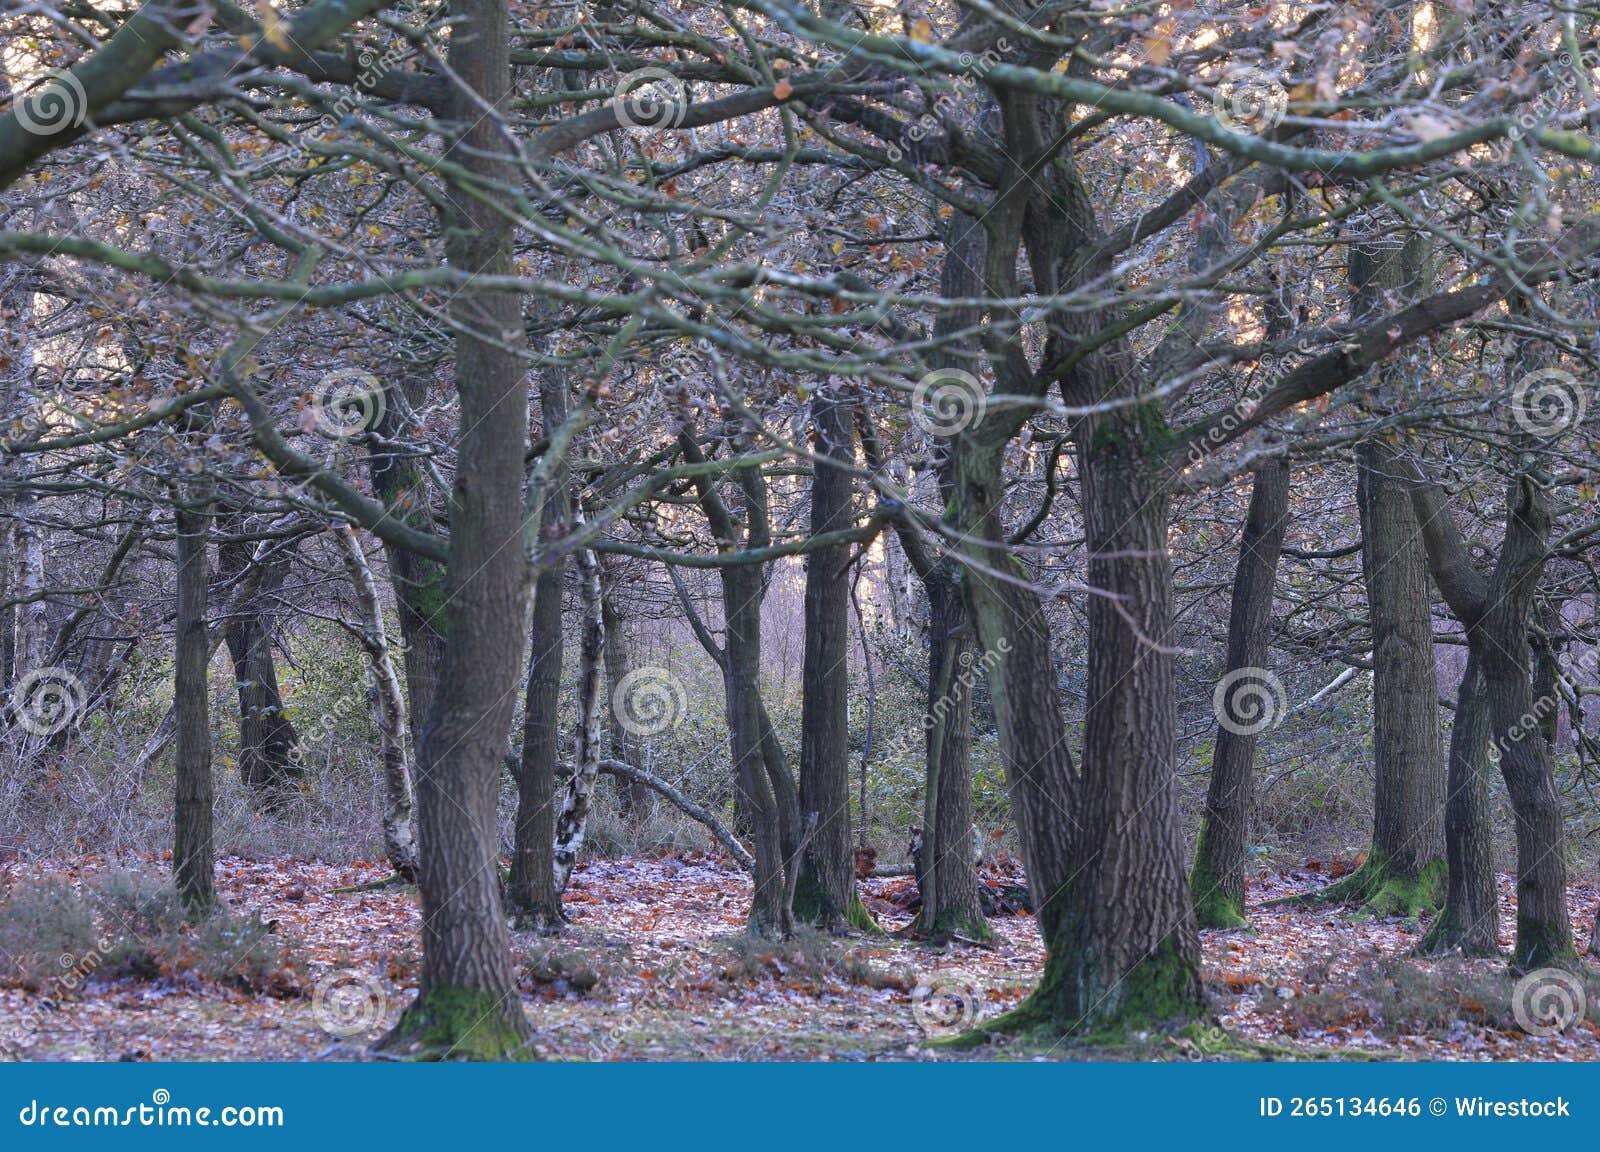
<point>825,890</point>
<point>1403,873</point>
<point>577,798</point>
<point>1404,870</point>
<point>1495,612</point>
<point>467,1005</point>
<point>193,788</point>
<point>1469,924</point>
<point>533,894</point>
<point>1218,882</point>
<point>946,873</point>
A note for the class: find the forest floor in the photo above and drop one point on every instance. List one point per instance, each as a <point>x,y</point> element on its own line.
<point>654,967</point>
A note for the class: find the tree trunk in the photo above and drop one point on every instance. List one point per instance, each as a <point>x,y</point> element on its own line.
<point>467,1006</point>
<point>947,876</point>
<point>635,797</point>
<point>578,797</point>
<point>1218,883</point>
<point>402,484</point>
<point>193,788</point>
<point>269,760</point>
<point>825,891</point>
<point>1404,870</point>
<point>1496,613</point>
<point>1544,927</point>
<point>1469,925</point>
<point>399,800</point>
<point>533,894</point>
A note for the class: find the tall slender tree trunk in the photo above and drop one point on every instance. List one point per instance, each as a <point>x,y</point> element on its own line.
<point>825,891</point>
<point>533,894</point>
<point>399,807</point>
<point>947,876</point>
<point>193,788</point>
<point>1404,870</point>
<point>634,796</point>
<point>1218,882</point>
<point>1470,922</point>
<point>577,798</point>
<point>467,1005</point>
<point>402,484</point>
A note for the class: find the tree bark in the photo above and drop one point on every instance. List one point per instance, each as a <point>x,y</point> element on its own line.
<point>1495,612</point>
<point>1470,921</point>
<point>268,758</point>
<point>1218,882</point>
<point>1404,872</point>
<point>825,890</point>
<point>399,806</point>
<point>533,894</point>
<point>634,796</point>
<point>193,788</point>
<point>756,755</point>
<point>947,876</point>
<point>468,1005</point>
<point>577,798</point>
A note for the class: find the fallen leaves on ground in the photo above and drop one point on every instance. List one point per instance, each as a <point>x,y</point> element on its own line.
<point>655,966</point>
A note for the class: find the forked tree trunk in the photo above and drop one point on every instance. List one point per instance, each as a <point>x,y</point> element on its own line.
<point>399,798</point>
<point>269,759</point>
<point>1495,611</point>
<point>1218,882</point>
<point>1544,926</point>
<point>467,1005</point>
<point>193,788</point>
<point>577,798</point>
<point>825,890</point>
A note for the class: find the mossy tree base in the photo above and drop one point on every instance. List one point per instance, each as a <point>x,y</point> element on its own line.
<point>1451,935</point>
<point>1380,891</point>
<point>1541,946</point>
<point>951,923</point>
<point>1161,994</point>
<point>1214,907</point>
<point>446,1023</point>
<point>811,906</point>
